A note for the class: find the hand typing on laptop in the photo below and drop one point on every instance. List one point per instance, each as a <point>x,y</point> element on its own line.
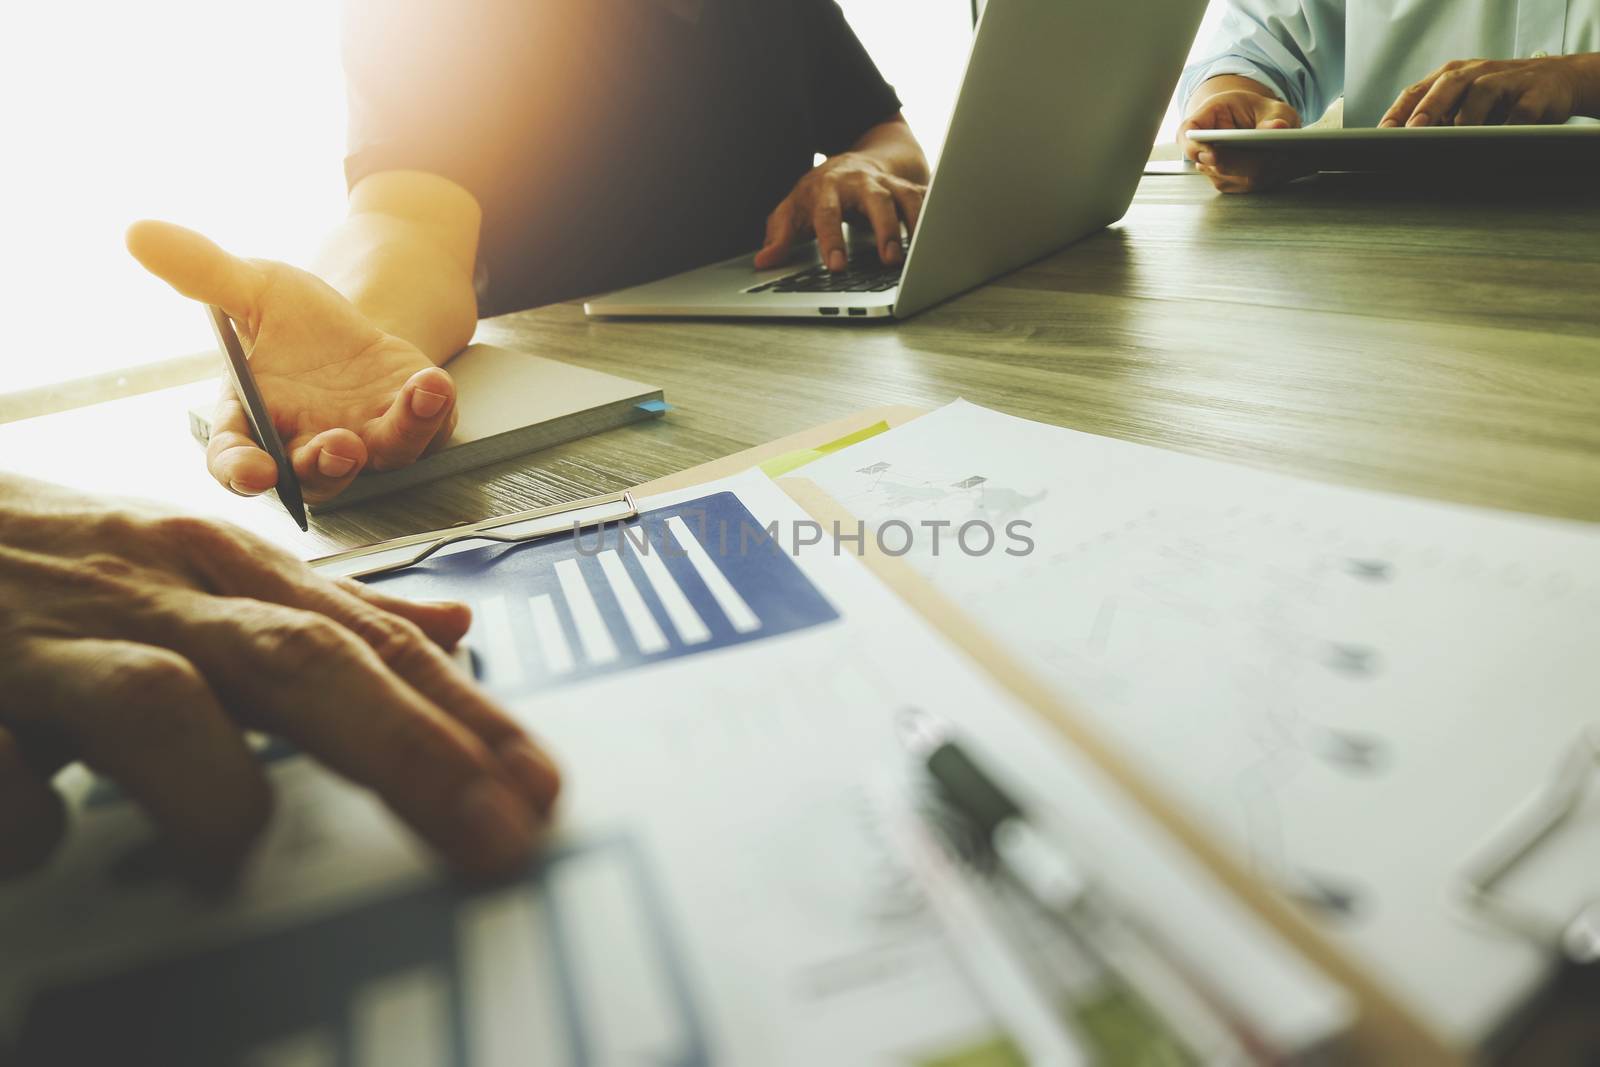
<point>487,175</point>
<point>354,380</point>
<point>883,179</point>
<point>144,644</point>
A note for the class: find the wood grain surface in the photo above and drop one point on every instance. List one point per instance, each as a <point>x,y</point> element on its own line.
<point>1444,344</point>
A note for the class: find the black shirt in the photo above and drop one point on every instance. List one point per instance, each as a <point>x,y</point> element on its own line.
<point>608,142</point>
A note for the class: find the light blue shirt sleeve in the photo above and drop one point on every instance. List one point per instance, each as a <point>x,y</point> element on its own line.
<point>1297,47</point>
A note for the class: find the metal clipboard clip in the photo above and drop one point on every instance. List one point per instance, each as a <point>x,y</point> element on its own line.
<point>385,557</point>
<point>1533,823</point>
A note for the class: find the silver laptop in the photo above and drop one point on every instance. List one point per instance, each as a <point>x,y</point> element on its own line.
<point>1059,107</point>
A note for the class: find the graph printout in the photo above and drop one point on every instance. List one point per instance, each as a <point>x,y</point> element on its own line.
<point>693,577</point>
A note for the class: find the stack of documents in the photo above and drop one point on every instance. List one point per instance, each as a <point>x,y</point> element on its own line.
<point>1345,691</point>
<point>1352,689</point>
<point>723,890</point>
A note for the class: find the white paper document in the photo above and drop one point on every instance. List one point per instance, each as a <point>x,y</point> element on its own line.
<point>1352,688</point>
<point>719,890</point>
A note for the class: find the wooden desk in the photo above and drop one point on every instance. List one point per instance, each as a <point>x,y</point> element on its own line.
<point>1348,330</point>
<point>1444,346</point>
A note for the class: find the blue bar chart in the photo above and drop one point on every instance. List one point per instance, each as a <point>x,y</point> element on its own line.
<point>677,581</point>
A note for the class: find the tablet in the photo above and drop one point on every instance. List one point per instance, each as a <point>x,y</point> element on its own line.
<point>1500,148</point>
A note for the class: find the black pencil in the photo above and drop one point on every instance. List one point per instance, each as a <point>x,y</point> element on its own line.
<point>255,410</point>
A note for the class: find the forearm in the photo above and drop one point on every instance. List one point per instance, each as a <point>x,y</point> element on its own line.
<point>404,256</point>
<point>892,146</point>
<point>1227,83</point>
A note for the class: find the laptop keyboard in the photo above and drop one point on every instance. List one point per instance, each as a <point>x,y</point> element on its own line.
<point>872,277</point>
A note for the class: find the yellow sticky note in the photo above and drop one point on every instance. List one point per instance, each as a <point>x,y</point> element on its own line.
<point>778,466</point>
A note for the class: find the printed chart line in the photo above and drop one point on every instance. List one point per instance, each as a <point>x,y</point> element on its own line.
<point>722,591</point>
<point>598,647</point>
<point>547,632</point>
<point>493,624</point>
<point>691,628</point>
<point>646,633</point>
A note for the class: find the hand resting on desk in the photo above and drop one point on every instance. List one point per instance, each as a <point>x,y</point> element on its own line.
<point>344,393</point>
<point>144,644</point>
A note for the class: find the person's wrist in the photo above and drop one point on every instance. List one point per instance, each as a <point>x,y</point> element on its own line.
<point>1586,75</point>
<point>1222,84</point>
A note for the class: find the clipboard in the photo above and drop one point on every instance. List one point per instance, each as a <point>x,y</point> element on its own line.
<point>1384,1031</point>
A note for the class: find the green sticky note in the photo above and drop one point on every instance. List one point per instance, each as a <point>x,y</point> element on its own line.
<point>778,466</point>
<point>992,1052</point>
<point>1115,1029</point>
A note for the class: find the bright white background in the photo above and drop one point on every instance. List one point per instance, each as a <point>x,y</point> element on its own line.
<point>228,117</point>
<point>223,115</point>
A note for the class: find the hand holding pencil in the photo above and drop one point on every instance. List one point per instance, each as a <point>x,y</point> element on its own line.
<point>343,394</point>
